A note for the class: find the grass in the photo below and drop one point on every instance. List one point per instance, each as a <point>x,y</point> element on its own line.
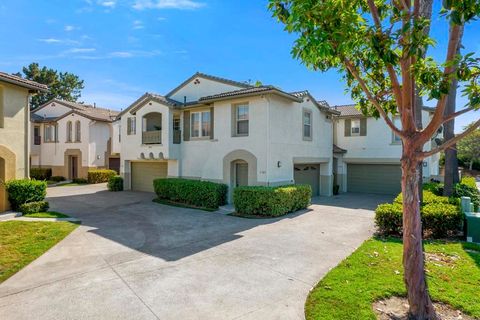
<point>182,205</point>
<point>48,214</point>
<point>374,271</point>
<point>21,242</point>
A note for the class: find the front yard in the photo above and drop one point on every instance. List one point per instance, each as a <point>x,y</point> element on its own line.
<point>21,242</point>
<point>374,271</point>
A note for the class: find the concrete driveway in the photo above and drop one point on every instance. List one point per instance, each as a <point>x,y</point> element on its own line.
<point>134,259</point>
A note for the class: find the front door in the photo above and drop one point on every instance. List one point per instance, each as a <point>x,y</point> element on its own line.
<point>241,174</point>
<point>73,167</point>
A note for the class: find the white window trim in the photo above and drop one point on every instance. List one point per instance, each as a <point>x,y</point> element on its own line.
<point>307,111</point>
<point>236,106</point>
<point>355,134</point>
<point>200,131</point>
<point>54,136</point>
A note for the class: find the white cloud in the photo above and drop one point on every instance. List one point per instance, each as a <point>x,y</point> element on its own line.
<point>81,50</point>
<point>167,4</point>
<point>50,40</point>
<point>121,54</point>
<point>161,18</point>
<point>69,28</point>
<point>59,41</point>
<point>138,24</point>
<point>108,4</point>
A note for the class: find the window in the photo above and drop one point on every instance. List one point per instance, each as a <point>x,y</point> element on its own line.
<point>307,125</point>
<point>396,139</point>
<point>69,131</point>
<point>51,133</point>
<point>36,135</point>
<point>131,126</point>
<point>176,124</point>
<point>78,131</point>
<point>200,124</point>
<point>355,127</point>
<point>241,120</point>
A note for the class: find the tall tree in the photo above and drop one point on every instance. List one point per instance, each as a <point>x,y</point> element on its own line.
<point>62,85</point>
<point>378,46</point>
<point>469,148</point>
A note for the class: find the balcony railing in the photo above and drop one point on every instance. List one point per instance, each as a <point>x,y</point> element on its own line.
<point>177,136</point>
<point>37,140</point>
<point>152,137</point>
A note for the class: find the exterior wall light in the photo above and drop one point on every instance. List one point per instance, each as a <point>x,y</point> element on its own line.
<point>279,164</point>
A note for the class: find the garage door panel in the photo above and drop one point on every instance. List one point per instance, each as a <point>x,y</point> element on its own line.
<point>143,174</point>
<point>308,174</point>
<point>374,178</point>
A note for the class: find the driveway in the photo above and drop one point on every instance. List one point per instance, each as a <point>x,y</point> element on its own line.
<point>134,259</point>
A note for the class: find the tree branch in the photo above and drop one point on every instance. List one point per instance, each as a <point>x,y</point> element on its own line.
<point>456,114</point>
<point>370,97</point>
<point>452,141</point>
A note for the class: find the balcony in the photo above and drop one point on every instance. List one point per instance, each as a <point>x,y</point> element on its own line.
<point>152,137</point>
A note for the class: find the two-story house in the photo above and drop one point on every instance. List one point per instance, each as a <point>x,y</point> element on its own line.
<point>220,130</point>
<point>71,138</point>
<point>367,153</point>
<point>15,95</point>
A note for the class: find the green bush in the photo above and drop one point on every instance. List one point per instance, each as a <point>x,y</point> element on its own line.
<point>463,190</point>
<point>469,181</point>
<point>196,193</point>
<point>389,218</point>
<point>115,183</point>
<point>24,191</point>
<point>434,187</point>
<point>441,219</point>
<point>80,181</point>
<point>34,207</point>
<point>271,201</point>
<point>40,173</point>
<point>100,175</point>
<point>57,179</point>
<point>428,197</point>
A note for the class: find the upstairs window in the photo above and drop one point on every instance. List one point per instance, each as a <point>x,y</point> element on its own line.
<point>355,129</point>
<point>241,120</point>
<point>200,124</point>
<point>69,131</point>
<point>78,131</point>
<point>307,125</point>
<point>131,126</point>
<point>51,133</point>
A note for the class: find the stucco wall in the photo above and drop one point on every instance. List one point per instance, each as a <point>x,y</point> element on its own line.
<point>193,91</point>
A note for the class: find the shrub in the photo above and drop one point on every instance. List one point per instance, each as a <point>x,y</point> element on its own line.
<point>434,187</point>
<point>428,197</point>
<point>469,181</point>
<point>463,190</point>
<point>80,181</point>
<point>115,183</point>
<point>24,191</point>
<point>441,219</point>
<point>197,193</point>
<point>34,207</point>
<point>271,201</point>
<point>40,173</point>
<point>100,175</point>
<point>57,179</point>
<point>389,218</point>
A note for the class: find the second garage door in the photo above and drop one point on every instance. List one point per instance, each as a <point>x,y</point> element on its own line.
<point>308,174</point>
<point>374,178</point>
<point>143,174</point>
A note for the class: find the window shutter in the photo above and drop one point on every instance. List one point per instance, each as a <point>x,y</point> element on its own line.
<point>363,126</point>
<point>233,118</point>
<point>348,127</point>
<point>129,126</point>
<point>211,123</point>
<point>186,125</point>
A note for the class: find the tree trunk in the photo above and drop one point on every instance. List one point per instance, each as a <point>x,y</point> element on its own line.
<point>471,165</point>
<point>421,307</point>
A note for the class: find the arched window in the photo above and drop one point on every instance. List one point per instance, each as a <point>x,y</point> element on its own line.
<point>78,132</point>
<point>69,131</point>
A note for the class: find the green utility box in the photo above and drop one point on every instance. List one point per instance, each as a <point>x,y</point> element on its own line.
<point>473,227</point>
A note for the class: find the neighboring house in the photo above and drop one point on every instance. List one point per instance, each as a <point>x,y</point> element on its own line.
<point>71,138</point>
<point>15,95</point>
<point>367,153</point>
<point>220,130</point>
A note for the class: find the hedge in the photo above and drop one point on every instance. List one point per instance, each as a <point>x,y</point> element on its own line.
<point>441,219</point>
<point>100,175</point>
<point>428,197</point>
<point>40,173</point>
<point>196,193</point>
<point>34,207</point>
<point>469,181</point>
<point>434,187</point>
<point>24,191</point>
<point>57,179</point>
<point>463,190</point>
<point>80,180</point>
<point>115,183</point>
<point>271,201</point>
<point>389,218</point>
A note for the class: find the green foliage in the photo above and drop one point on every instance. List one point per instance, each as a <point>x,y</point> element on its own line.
<point>80,181</point>
<point>462,190</point>
<point>469,148</point>
<point>389,218</point>
<point>203,194</point>
<point>62,85</point>
<point>441,219</point>
<point>57,178</point>
<point>433,187</point>
<point>115,183</point>
<point>34,207</point>
<point>100,175</point>
<point>40,173</point>
<point>469,181</point>
<point>24,191</point>
<point>428,197</point>
<point>271,201</point>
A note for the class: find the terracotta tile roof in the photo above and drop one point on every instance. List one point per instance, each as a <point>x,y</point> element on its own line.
<point>22,82</point>
<point>350,110</point>
<point>247,91</point>
<point>88,111</point>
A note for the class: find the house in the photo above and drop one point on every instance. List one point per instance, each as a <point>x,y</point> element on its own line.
<point>215,129</point>
<point>71,138</point>
<point>367,153</point>
<point>15,95</point>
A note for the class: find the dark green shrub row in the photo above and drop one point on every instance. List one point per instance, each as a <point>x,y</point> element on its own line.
<point>434,187</point>
<point>24,191</point>
<point>428,197</point>
<point>115,183</point>
<point>57,179</point>
<point>197,193</point>
<point>389,218</point>
<point>463,190</point>
<point>271,201</point>
<point>100,175</point>
<point>40,173</point>
<point>34,207</point>
<point>80,181</point>
<point>469,181</point>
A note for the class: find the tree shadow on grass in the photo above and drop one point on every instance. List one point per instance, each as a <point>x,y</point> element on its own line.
<point>473,251</point>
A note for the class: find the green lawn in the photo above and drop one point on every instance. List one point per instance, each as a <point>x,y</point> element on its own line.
<point>48,214</point>
<point>21,242</point>
<point>374,271</point>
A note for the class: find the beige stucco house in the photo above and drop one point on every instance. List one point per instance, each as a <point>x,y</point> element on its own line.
<point>15,95</point>
<point>220,130</point>
<point>71,138</point>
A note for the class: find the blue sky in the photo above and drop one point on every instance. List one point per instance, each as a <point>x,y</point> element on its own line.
<point>124,48</point>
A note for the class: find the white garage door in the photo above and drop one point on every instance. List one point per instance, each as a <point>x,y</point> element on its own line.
<point>374,178</point>
<point>143,174</point>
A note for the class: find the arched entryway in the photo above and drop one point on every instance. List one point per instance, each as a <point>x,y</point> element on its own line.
<point>7,172</point>
<point>239,169</point>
